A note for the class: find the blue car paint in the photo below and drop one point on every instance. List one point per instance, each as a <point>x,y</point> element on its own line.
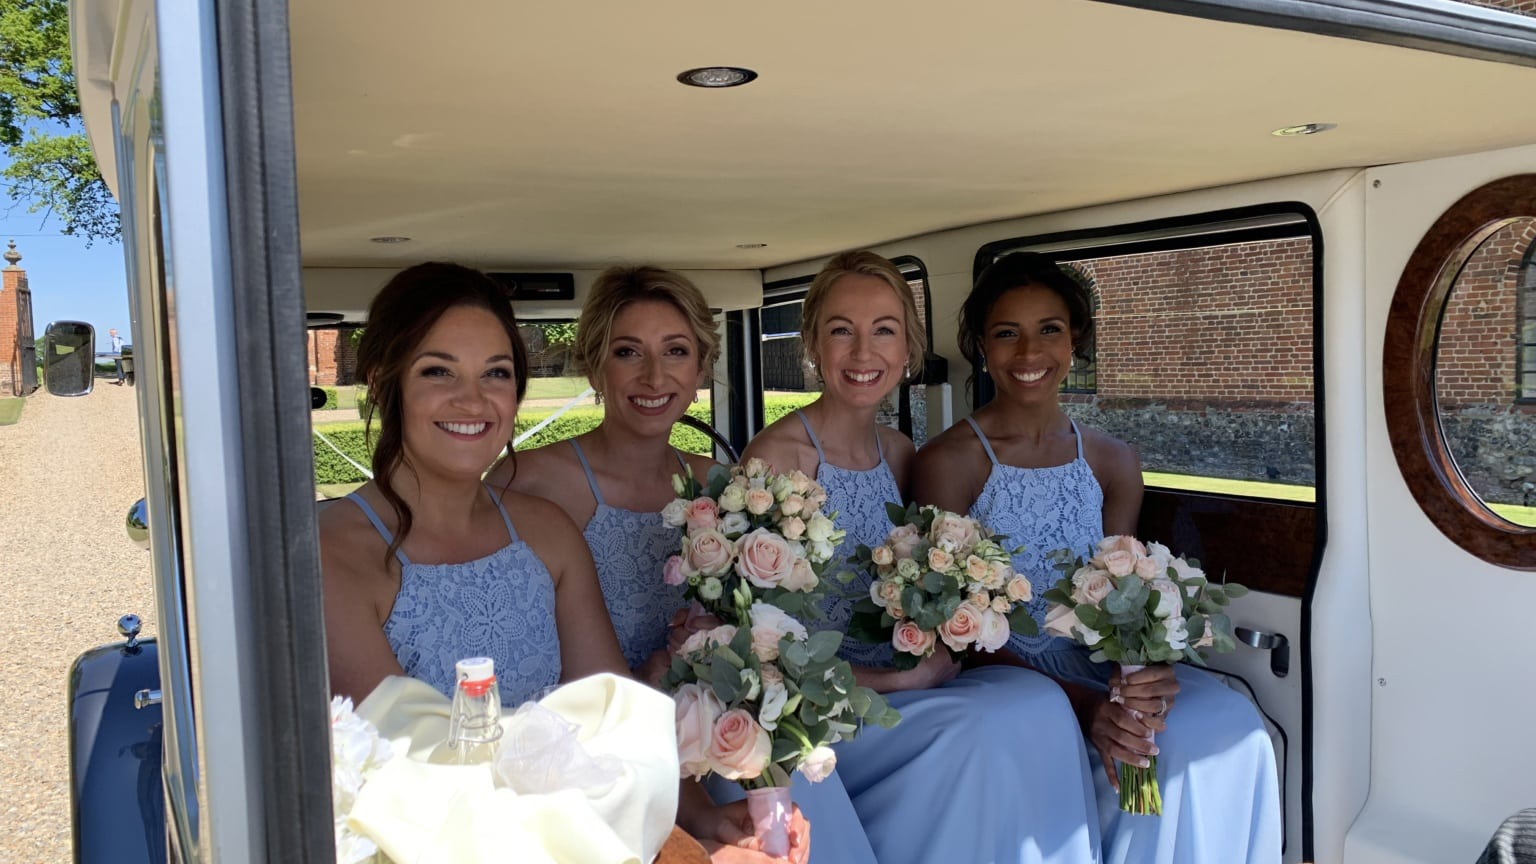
<point>115,756</point>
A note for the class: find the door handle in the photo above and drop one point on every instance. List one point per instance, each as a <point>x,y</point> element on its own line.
<point>1276,644</point>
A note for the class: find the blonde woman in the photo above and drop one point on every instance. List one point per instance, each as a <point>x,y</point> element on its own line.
<point>646,341</point>
<point>986,764</point>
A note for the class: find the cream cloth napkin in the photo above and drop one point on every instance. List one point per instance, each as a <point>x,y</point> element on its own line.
<point>424,813</point>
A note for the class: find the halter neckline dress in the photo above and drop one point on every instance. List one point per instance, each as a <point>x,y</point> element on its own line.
<point>501,606</point>
<point>1216,763</point>
<point>988,767</point>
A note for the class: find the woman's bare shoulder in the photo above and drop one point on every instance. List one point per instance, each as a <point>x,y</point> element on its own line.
<point>784,446</point>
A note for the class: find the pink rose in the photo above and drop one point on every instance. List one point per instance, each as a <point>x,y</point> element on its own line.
<point>697,710</point>
<point>764,558</point>
<point>1148,570</point>
<point>882,556</point>
<point>955,533</point>
<point>801,577</point>
<point>706,554</point>
<point>994,631</point>
<point>912,639</point>
<point>1061,621</point>
<point>962,628</point>
<point>1123,543</point>
<point>672,571</point>
<point>1019,589</point>
<point>701,514</point>
<point>759,501</point>
<point>903,539</point>
<point>1091,586</point>
<point>1118,562</point>
<point>739,747</point>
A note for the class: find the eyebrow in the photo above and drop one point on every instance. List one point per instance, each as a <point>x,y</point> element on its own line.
<point>1049,318</point>
<point>668,338</point>
<point>877,320</point>
<point>443,355</point>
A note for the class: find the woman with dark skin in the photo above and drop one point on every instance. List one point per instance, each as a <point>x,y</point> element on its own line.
<point>1028,471</point>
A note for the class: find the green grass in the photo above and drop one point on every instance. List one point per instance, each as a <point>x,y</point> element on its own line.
<point>10,410</point>
<point>555,388</point>
<point>1515,513</point>
<point>336,490</point>
<point>1222,486</point>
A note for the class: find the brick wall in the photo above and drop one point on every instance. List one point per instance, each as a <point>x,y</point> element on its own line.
<point>332,358</point>
<point>1229,324</point>
<point>1475,360</point>
<point>13,283</point>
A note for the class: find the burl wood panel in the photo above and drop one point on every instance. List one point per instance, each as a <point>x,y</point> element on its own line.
<point>1408,373</point>
<point>1264,545</point>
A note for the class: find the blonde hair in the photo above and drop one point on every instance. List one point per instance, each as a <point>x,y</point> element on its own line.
<point>864,263</point>
<point>616,288</point>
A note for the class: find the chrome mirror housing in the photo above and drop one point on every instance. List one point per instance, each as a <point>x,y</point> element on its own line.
<point>138,524</point>
<point>69,358</point>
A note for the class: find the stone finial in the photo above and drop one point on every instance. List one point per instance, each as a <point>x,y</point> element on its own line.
<point>11,255</point>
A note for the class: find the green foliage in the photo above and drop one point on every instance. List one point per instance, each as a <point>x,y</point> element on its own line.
<point>557,333</point>
<point>330,399</point>
<point>53,171</point>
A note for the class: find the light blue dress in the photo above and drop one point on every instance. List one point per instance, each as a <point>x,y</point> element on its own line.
<point>988,767</point>
<point>1216,764</point>
<point>501,606</point>
<point>629,548</point>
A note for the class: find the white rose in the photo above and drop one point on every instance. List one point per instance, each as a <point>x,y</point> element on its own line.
<point>1186,572</point>
<point>1178,633</point>
<point>1170,600</point>
<point>769,625</point>
<point>1161,556</point>
<point>994,631</point>
<point>1088,635</point>
<point>782,488</point>
<point>733,499</point>
<point>674,513</point>
<point>711,588</point>
<point>877,592</point>
<point>821,550</point>
<point>819,528</point>
<point>774,697</point>
<point>735,523</point>
<point>818,764</point>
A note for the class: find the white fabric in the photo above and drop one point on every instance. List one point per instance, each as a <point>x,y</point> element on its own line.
<point>420,812</point>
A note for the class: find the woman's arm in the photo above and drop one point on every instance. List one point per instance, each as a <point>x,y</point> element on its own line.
<point>352,571</point>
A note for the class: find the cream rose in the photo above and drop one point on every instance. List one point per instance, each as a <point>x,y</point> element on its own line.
<point>962,628</point>
<point>1019,590</point>
<point>1118,562</point>
<point>739,747</point>
<point>769,625</point>
<point>733,499</point>
<point>1170,600</point>
<point>1002,571</point>
<point>1122,543</point>
<point>801,576</point>
<point>697,710</point>
<point>701,515</point>
<point>706,554</point>
<point>764,558</point>
<point>755,467</point>
<point>792,505</point>
<point>939,559</point>
<point>800,482</point>
<point>994,631</point>
<point>782,488</point>
<point>675,514</point>
<point>1148,570</point>
<point>977,569</point>
<point>882,556</point>
<point>818,764</point>
<point>1001,605</point>
<point>1062,621</point>
<point>912,639</point>
<point>1091,586</point>
<point>759,501</point>
<point>702,639</point>
<point>792,528</point>
<point>979,599</point>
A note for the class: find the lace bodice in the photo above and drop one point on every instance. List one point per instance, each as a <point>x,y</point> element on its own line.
<point>858,498</point>
<point>500,606</point>
<point>1044,509</point>
<point>629,548</point>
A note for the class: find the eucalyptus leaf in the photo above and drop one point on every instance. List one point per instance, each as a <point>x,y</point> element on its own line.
<point>823,645</point>
<point>896,513</point>
<point>1023,623</point>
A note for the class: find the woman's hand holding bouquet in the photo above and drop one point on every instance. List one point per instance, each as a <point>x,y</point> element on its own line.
<point>939,579</point>
<point>1137,605</point>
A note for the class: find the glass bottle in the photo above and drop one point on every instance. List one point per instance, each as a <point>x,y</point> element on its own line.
<point>474,725</point>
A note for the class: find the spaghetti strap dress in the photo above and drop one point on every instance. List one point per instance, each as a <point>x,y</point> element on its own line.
<point>629,548</point>
<point>988,767</point>
<point>1216,764</point>
<point>500,606</point>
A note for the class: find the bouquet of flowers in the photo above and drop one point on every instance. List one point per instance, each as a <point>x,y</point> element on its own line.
<point>1137,604</point>
<point>758,696</point>
<point>747,525</point>
<point>939,577</point>
<point>356,752</point>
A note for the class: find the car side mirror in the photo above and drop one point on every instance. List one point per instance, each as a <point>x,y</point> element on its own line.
<point>317,398</point>
<point>69,358</point>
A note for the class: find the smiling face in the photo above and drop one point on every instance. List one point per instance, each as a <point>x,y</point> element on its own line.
<point>1027,343</point>
<point>651,369</point>
<point>459,394</point>
<point>861,346</point>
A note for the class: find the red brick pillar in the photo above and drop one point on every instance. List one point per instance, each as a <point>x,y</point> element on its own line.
<point>13,286</point>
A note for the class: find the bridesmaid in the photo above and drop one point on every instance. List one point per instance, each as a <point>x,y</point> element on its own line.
<point>1027,470</point>
<point>428,564</point>
<point>646,341</point>
<point>986,764</point>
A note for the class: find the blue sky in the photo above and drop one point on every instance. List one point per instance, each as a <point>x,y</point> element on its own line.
<point>68,280</point>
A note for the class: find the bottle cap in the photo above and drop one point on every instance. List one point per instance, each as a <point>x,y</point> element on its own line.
<point>475,670</point>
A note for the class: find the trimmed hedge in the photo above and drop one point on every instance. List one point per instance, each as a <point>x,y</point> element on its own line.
<point>331,468</point>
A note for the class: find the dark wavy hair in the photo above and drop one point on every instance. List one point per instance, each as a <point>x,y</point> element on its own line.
<point>1017,270</point>
<point>406,308</point>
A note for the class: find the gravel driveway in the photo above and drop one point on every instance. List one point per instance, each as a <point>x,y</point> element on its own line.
<point>68,472</point>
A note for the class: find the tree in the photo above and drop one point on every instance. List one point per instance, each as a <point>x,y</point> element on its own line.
<point>53,171</point>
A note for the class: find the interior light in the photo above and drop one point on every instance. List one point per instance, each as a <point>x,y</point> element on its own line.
<point>751,245</point>
<point>389,239</point>
<point>1303,129</point>
<point>715,77</point>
